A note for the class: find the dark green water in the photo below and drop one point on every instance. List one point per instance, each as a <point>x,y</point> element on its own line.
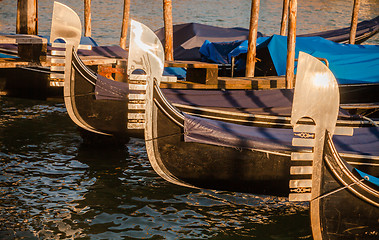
<point>54,187</point>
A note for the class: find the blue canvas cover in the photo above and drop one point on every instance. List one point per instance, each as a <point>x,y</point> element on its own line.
<point>371,179</point>
<point>189,37</point>
<point>351,64</point>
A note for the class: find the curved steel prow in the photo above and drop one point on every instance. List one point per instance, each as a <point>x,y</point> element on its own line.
<point>65,25</point>
<point>316,93</point>
<point>316,97</point>
<point>145,51</point>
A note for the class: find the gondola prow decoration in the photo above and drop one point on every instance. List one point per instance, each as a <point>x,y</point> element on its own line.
<point>317,97</point>
<point>146,54</point>
<point>66,26</point>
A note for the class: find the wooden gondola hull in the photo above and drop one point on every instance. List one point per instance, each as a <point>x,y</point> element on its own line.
<point>350,212</point>
<point>104,114</point>
<point>96,112</point>
<point>216,167</point>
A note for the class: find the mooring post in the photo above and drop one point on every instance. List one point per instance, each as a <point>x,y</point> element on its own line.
<point>168,29</point>
<point>27,23</point>
<point>283,24</point>
<point>291,43</point>
<point>251,52</point>
<point>125,22</point>
<point>354,22</point>
<point>87,18</point>
<point>27,17</point>
<point>121,75</point>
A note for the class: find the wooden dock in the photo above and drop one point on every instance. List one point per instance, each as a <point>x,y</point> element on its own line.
<point>252,83</point>
<point>32,52</point>
<point>202,75</point>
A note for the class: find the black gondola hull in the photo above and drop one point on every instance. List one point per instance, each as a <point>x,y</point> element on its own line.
<point>349,212</point>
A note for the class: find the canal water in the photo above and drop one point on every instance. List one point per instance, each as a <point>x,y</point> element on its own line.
<point>52,186</point>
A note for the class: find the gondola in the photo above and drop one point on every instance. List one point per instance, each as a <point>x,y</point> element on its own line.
<point>347,203</point>
<point>344,200</point>
<point>96,104</point>
<point>83,88</point>
<point>198,152</point>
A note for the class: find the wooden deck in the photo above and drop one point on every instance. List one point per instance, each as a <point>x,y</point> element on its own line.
<point>21,39</point>
<point>88,60</point>
<point>204,75</point>
<point>267,82</point>
<point>32,52</point>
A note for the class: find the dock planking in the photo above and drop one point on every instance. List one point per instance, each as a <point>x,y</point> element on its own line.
<point>254,83</point>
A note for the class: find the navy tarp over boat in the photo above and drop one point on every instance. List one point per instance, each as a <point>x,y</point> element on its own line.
<point>351,64</point>
<point>365,141</point>
<point>273,102</point>
<point>189,37</point>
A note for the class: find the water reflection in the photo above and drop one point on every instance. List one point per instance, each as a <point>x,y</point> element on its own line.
<point>129,200</point>
<point>54,187</point>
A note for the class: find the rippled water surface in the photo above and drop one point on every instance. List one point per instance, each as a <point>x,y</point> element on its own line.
<point>54,187</point>
<point>51,186</point>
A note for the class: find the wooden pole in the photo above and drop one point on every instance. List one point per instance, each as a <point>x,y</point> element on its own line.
<point>27,17</point>
<point>354,22</point>
<point>283,24</point>
<point>291,42</point>
<point>167,17</point>
<point>87,18</point>
<point>125,22</point>
<point>251,52</point>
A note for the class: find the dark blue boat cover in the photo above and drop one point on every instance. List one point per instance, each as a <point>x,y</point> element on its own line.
<point>189,37</point>
<point>351,64</point>
<point>365,141</point>
<point>274,102</point>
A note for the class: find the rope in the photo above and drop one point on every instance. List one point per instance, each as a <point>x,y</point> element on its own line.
<point>371,121</point>
<point>170,135</point>
<point>337,190</point>
<point>80,95</point>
